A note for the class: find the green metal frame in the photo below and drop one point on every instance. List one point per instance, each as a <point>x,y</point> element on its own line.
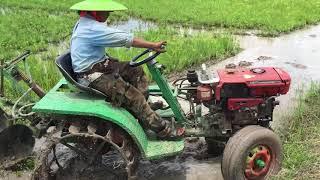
<point>167,93</point>
<point>62,101</point>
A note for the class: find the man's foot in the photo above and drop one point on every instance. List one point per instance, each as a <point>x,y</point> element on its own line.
<point>171,133</point>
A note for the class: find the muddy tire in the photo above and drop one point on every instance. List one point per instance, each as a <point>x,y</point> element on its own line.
<point>214,147</point>
<point>254,152</point>
<point>106,151</point>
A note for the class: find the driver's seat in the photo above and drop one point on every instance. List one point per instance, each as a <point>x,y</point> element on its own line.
<point>64,64</point>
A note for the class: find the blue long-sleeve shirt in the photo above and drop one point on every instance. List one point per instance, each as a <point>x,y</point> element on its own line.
<point>89,40</point>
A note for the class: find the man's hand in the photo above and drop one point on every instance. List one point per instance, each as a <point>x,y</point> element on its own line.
<point>156,46</point>
<point>160,46</point>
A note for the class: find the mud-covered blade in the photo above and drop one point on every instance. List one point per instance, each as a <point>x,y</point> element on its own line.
<point>16,143</point>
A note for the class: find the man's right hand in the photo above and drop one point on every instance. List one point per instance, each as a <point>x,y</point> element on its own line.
<point>156,46</point>
<point>159,46</point>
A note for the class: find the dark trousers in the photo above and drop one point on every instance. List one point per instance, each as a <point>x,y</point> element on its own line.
<point>127,86</point>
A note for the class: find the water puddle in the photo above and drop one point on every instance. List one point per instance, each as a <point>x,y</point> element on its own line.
<point>133,25</point>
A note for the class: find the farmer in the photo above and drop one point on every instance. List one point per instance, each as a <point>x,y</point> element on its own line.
<point>126,86</point>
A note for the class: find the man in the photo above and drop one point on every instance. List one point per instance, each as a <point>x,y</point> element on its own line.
<point>126,86</point>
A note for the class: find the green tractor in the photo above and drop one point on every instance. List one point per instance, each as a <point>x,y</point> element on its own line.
<point>231,108</point>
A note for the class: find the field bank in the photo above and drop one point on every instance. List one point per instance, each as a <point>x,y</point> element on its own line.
<point>302,142</point>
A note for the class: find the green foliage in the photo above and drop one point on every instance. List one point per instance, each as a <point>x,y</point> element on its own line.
<point>184,50</point>
<point>27,164</point>
<point>270,16</point>
<point>43,26</point>
<point>31,29</point>
<point>302,142</point>
<point>35,24</point>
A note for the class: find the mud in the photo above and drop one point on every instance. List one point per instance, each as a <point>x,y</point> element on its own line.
<point>297,53</point>
<point>296,65</point>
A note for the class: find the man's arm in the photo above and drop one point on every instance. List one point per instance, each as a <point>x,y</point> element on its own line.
<point>140,43</point>
<point>109,37</point>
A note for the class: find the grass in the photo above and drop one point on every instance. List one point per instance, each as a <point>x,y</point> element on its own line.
<point>302,143</point>
<point>43,26</point>
<point>270,16</point>
<point>31,29</point>
<point>35,24</point>
<point>184,50</point>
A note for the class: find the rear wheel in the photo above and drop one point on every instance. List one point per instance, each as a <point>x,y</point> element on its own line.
<point>103,149</point>
<point>254,152</point>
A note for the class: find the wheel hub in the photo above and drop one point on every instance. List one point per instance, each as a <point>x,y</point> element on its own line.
<point>258,162</point>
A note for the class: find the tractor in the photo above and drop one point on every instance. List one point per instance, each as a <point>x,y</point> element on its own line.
<point>230,108</point>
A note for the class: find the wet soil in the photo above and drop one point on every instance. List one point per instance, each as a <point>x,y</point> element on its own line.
<point>297,53</point>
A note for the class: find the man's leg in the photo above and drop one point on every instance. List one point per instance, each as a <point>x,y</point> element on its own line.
<point>124,94</point>
<point>135,76</point>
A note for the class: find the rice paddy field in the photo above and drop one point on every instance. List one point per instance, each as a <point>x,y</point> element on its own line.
<point>271,17</point>
<point>44,27</point>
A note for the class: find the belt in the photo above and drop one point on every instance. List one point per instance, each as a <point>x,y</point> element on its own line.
<point>98,67</point>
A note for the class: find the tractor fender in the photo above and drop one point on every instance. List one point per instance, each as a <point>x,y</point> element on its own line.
<point>83,104</point>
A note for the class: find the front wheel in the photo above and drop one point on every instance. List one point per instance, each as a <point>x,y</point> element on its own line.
<point>254,152</point>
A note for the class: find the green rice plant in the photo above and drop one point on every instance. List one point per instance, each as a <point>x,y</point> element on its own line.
<point>270,16</point>
<point>183,50</point>
<point>43,26</point>
<point>33,30</point>
<point>35,24</point>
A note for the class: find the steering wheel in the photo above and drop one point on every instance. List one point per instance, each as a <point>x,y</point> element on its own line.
<point>134,62</point>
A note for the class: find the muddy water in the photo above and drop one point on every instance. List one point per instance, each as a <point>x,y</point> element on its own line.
<point>134,25</point>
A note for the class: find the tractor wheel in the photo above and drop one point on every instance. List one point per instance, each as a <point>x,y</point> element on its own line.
<point>103,148</point>
<point>214,148</point>
<point>254,152</point>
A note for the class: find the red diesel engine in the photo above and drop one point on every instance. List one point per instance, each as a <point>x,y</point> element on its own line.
<point>250,87</point>
<point>242,96</point>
